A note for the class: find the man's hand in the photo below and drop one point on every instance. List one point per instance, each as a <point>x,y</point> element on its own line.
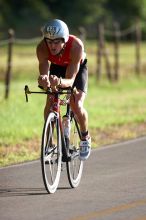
<point>43,80</point>
<point>54,80</point>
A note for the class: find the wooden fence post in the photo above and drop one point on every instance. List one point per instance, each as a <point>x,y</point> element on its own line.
<point>99,50</point>
<point>107,63</point>
<point>82,33</point>
<point>102,51</point>
<point>116,51</point>
<point>9,63</point>
<point>138,42</point>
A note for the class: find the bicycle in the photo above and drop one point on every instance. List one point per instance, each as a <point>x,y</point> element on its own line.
<point>56,148</point>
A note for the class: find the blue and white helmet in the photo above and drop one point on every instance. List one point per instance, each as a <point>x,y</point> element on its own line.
<point>56,29</point>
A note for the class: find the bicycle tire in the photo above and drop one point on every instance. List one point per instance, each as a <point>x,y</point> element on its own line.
<point>51,153</point>
<point>74,165</point>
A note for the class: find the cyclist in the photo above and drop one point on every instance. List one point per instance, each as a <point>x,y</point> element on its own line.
<point>62,63</point>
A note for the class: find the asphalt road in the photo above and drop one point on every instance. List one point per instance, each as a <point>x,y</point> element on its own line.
<point>113,187</point>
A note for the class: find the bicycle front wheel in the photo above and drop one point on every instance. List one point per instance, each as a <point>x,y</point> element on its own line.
<point>51,154</point>
<point>74,165</point>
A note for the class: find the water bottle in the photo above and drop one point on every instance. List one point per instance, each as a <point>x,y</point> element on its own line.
<point>66,126</point>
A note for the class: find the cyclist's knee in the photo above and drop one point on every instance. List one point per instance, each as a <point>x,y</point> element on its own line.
<point>77,107</point>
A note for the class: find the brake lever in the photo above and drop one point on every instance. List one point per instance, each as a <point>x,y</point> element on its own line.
<point>26,92</point>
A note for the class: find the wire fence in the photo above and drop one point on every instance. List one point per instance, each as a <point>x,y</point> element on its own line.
<point>103,52</point>
<point>8,48</point>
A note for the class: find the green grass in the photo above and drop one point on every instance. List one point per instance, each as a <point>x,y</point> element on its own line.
<point>117,111</point>
<point>109,106</point>
<point>117,104</point>
<point>20,120</point>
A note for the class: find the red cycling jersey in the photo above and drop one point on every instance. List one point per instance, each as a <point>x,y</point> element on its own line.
<point>63,59</point>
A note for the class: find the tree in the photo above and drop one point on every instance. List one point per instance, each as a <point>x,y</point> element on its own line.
<point>24,16</point>
<point>27,16</point>
<point>124,12</point>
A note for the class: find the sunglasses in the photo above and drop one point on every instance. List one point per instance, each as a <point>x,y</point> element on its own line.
<point>55,41</point>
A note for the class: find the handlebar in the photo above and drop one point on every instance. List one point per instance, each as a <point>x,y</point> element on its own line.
<point>60,91</point>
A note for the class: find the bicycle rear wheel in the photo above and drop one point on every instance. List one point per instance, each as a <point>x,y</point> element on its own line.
<point>51,154</point>
<point>75,165</point>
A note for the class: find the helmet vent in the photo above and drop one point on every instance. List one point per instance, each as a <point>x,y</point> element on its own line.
<point>52,30</point>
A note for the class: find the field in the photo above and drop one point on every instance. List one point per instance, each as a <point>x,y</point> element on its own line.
<point>117,111</point>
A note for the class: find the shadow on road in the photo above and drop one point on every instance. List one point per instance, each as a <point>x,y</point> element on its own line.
<point>9,192</point>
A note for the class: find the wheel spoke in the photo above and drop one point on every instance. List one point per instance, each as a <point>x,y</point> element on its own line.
<point>51,171</point>
<point>47,158</point>
<point>75,166</point>
<point>51,156</point>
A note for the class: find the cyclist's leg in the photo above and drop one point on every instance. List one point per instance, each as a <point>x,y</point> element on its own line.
<point>82,117</point>
<point>81,83</point>
<point>77,105</point>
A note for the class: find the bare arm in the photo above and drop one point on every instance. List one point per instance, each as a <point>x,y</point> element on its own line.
<point>73,67</point>
<point>42,58</point>
<point>43,65</point>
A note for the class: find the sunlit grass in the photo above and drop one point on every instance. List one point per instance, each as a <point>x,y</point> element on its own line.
<point>117,104</point>
<point>20,120</point>
<point>114,109</point>
<point>107,105</point>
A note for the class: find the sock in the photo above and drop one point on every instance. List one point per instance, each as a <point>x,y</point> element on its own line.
<point>84,134</point>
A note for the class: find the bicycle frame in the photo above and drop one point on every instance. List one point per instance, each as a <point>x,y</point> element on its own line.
<point>55,107</point>
<point>61,149</point>
<point>56,102</point>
